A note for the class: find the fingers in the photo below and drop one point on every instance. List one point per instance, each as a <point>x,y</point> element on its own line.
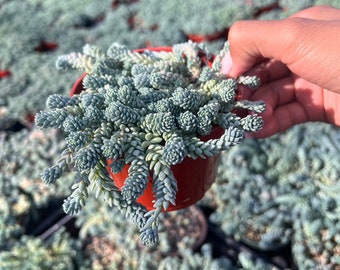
<point>275,81</point>
<point>281,119</point>
<point>275,94</point>
<point>251,42</point>
<point>282,109</point>
<point>269,71</point>
<point>289,101</point>
<point>331,107</point>
<point>309,48</point>
<point>278,96</point>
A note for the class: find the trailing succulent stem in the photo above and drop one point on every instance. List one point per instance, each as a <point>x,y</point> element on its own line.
<point>148,110</point>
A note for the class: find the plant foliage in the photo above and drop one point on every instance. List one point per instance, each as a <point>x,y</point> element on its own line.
<point>148,110</point>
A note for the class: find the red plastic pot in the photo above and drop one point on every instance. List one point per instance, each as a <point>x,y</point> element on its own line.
<point>4,73</point>
<point>207,37</point>
<point>45,46</point>
<point>194,177</point>
<point>260,11</point>
<point>116,3</point>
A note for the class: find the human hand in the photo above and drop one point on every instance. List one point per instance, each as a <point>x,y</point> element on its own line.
<point>298,62</point>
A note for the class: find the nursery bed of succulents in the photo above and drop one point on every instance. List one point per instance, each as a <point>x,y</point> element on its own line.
<point>275,203</point>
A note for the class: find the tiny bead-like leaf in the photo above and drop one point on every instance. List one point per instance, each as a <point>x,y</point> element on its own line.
<point>59,101</point>
<point>226,89</point>
<point>164,105</point>
<point>141,69</point>
<point>117,51</point>
<point>206,115</point>
<point>117,165</point>
<point>187,99</point>
<point>225,120</point>
<point>72,123</point>
<point>159,123</point>
<point>50,175</point>
<point>142,80</point>
<point>174,151</point>
<point>149,95</point>
<point>76,140</point>
<point>233,136</point>
<point>92,81</point>
<point>255,106</point>
<point>53,118</point>
<point>187,121</point>
<point>128,96</point>
<point>161,80</point>
<point>92,99</point>
<point>86,158</point>
<point>252,123</point>
<point>113,148</point>
<point>206,74</point>
<point>149,237</point>
<point>93,115</point>
<point>75,61</point>
<point>119,113</point>
<point>250,81</point>
<point>72,206</point>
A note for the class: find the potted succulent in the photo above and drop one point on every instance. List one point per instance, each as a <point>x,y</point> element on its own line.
<point>140,116</point>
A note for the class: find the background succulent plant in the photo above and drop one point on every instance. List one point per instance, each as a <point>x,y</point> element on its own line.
<point>270,194</point>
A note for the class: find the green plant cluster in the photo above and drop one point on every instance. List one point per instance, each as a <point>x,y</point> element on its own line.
<point>284,189</point>
<point>59,252</point>
<point>220,16</point>
<point>23,155</point>
<point>316,243</point>
<point>147,110</point>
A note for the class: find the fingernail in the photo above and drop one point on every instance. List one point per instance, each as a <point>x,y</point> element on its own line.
<point>226,63</point>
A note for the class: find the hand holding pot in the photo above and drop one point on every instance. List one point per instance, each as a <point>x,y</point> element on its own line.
<point>297,61</point>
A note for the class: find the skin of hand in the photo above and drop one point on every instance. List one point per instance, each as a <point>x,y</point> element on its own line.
<point>298,62</point>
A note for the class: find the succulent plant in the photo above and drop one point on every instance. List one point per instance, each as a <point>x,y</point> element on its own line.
<point>147,110</point>
<point>110,244</point>
<point>246,211</point>
<point>247,262</point>
<point>290,7</point>
<point>334,3</point>
<point>11,227</point>
<point>206,18</point>
<point>269,196</point>
<point>58,252</point>
<point>24,154</point>
<point>316,243</point>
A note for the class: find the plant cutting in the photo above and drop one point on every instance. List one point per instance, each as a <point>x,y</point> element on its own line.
<point>145,112</point>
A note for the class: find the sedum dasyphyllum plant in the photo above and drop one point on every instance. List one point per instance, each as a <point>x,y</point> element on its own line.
<point>148,110</point>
